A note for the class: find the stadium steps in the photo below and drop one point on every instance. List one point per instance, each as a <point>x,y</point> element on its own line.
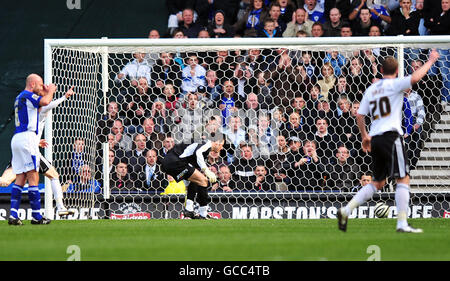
<point>432,171</point>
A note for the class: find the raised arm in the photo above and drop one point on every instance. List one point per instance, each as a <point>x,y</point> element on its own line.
<point>422,71</point>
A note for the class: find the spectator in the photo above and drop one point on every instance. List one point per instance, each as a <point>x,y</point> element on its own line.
<point>380,15</point>
<point>188,119</point>
<point>348,129</point>
<point>423,30</point>
<point>313,99</point>
<point>213,88</point>
<point>357,79</point>
<point>262,90</point>
<point>414,142</point>
<point>167,145</point>
<point>175,9</point>
<point>223,64</point>
<point>229,102</point>
<point>106,121</point>
<point>337,61</point>
<point>188,25</point>
<point>287,168</point>
<point>152,57</point>
<point>345,7</point>
<point>315,11</point>
<point>326,141</point>
<point>361,26</point>
<point>112,161</point>
<point>269,30</point>
<point>120,179</point>
<point>256,61</point>
<point>287,8</point>
<point>309,172</point>
<point>343,105</point>
<point>153,138</point>
<point>193,75</point>
<point>219,28</point>
<point>252,20</point>
<point>225,183</point>
<point>229,8</point>
<point>341,88</point>
<point>275,14</point>
<point>404,20</point>
<point>243,79</point>
<point>264,181</point>
<point>129,74</point>
<point>283,76</point>
<point>79,156</point>
<point>136,156</point>
<point>83,182</point>
<point>346,30</point>
<point>243,168</point>
<point>171,99</point>
<point>150,176</point>
<point>166,71</point>
<point>235,135</point>
<point>365,179</point>
<point>342,170</point>
<point>311,66</point>
<point>161,116</point>
<point>276,160</point>
<point>137,106</point>
<point>299,22</point>
<point>332,27</point>
<point>317,31</point>
<point>439,24</point>
<point>294,128</point>
<point>328,80</point>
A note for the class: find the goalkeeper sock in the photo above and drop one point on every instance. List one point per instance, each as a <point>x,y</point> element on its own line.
<point>189,205</point>
<point>364,194</point>
<point>402,202</point>
<point>57,193</point>
<point>35,202</point>
<point>16,197</point>
<point>203,211</point>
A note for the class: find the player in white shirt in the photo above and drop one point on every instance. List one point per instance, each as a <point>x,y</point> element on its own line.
<point>45,167</point>
<point>383,101</point>
<point>25,147</point>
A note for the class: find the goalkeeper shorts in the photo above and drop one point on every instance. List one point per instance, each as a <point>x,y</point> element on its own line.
<point>176,167</point>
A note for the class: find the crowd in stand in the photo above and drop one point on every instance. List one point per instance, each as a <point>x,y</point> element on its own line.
<point>288,117</point>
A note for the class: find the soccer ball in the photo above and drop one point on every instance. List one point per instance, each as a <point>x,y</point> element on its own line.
<point>381,210</point>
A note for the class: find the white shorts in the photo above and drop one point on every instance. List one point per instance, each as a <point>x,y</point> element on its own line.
<point>25,152</point>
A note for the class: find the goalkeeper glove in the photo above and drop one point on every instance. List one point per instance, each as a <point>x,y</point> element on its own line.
<point>210,175</point>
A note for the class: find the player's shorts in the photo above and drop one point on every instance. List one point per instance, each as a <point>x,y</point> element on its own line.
<point>180,170</point>
<point>44,165</point>
<point>25,152</point>
<point>388,156</point>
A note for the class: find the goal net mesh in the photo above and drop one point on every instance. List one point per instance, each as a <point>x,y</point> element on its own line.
<point>287,113</point>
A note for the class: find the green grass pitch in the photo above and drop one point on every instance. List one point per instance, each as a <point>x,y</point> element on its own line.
<point>225,240</point>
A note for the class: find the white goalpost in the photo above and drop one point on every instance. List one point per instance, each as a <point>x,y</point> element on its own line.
<point>88,139</point>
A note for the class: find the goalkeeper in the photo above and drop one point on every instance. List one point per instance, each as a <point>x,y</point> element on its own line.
<point>45,167</point>
<point>184,162</point>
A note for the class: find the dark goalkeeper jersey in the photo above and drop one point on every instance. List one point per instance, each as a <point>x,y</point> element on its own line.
<point>194,154</point>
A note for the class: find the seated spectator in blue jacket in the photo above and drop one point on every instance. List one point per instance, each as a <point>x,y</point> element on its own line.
<point>84,182</point>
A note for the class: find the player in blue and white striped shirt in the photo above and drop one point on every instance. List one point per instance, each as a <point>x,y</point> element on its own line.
<point>25,146</point>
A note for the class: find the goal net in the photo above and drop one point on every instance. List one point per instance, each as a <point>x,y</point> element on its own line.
<point>285,106</point>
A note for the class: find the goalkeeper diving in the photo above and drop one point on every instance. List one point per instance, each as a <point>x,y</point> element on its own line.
<point>187,162</point>
<point>45,167</point>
